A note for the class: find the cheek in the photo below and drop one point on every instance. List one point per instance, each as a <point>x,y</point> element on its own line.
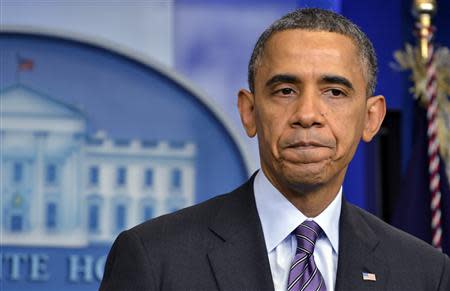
<point>347,131</point>
<point>269,128</point>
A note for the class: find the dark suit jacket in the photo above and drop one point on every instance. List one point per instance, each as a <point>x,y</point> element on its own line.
<point>219,245</point>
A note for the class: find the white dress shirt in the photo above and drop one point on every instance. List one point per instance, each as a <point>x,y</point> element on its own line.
<point>279,218</point>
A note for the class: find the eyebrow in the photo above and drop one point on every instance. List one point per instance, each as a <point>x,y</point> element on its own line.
<point>287,78</point>
<point>334,79</point>
<point>282,78</point>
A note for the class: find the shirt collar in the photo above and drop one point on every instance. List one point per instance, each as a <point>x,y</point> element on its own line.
<point>279,217</point>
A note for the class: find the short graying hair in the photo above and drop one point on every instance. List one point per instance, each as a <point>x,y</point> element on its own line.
<point>315,19</point>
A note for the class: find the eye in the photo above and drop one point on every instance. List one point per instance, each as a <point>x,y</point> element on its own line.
<point>335,93</point>
<point>285,91</point>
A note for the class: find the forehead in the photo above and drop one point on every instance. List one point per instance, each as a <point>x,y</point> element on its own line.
<point>315,52</point>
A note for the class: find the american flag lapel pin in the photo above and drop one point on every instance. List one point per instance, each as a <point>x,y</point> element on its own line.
<point>369,276</point>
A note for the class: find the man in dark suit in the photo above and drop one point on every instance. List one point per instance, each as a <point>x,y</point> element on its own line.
<point>311,78</point>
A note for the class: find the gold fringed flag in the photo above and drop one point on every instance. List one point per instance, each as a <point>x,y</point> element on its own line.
<point>427,173</point>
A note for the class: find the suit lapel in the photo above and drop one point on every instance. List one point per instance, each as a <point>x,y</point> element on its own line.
<point>358,253</point>
<point>238,256</point>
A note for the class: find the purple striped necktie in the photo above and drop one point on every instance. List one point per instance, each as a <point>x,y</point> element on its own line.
<point>304,274</point>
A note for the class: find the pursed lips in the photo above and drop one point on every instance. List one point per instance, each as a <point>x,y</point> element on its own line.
<point>306,152</point>
<point>306,145</point>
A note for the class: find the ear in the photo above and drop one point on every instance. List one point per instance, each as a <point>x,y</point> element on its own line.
<point>376,110</point>
<point>246,102</point>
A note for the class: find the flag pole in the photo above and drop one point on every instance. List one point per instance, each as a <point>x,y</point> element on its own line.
<point>424,10</point>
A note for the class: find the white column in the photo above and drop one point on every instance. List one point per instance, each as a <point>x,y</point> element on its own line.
<point>189,184</point>
<point>162,187</point>
<point>37,219</point>
<point>81,187</point>
<point>134,192</point>
<point>77,193</point>
<point>107,175</point>
<point>70,199</point>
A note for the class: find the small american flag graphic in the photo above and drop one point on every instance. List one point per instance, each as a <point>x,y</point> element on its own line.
<point>25,64</point>
<point>369,276</point>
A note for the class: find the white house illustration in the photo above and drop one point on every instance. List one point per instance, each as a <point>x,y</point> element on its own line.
<point>61,187</point>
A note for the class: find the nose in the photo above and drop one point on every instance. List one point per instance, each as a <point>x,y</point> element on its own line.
<point>307,111</point>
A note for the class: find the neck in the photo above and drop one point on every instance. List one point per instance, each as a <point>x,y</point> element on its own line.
<point>311,200</point>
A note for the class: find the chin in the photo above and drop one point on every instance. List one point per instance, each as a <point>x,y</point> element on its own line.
<point>305,175</point>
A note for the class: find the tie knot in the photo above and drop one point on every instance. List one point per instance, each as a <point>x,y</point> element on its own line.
<point>307,234</point>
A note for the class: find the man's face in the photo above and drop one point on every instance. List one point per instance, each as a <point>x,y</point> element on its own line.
<point>309,109</point>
